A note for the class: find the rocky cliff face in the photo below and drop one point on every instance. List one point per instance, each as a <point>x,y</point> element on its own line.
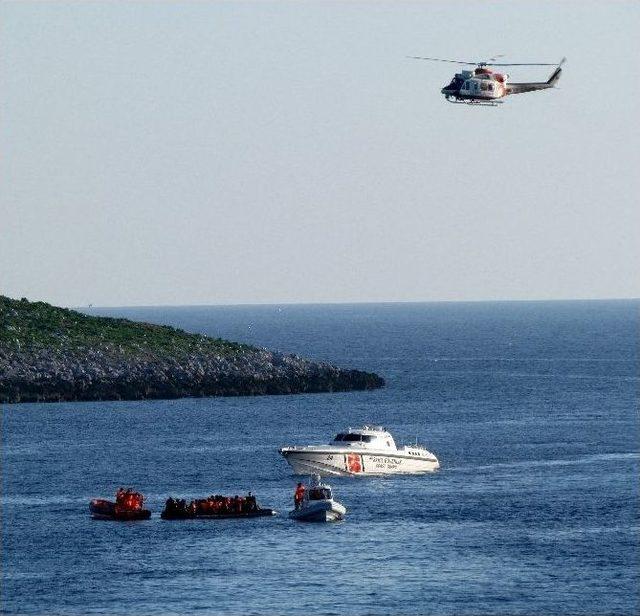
<point>54,354</point>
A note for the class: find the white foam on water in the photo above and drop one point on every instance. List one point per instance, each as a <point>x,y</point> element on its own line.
<point>35,501</point>
<point>594,458</point>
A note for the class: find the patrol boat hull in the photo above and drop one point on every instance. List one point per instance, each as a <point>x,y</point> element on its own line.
<point>329,461</point>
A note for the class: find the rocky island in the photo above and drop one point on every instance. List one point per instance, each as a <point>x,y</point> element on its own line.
<point>50,354</point>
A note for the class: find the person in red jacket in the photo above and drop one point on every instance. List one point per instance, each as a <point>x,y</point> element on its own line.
<point>298,496</point>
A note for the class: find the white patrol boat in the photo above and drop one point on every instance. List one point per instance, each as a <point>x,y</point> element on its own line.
<point>318,504</point>
<point>369,450</point>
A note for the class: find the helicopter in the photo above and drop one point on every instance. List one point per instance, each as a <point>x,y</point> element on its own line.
<point>482,86</point>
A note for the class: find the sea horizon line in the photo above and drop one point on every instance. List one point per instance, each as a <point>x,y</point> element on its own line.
<point>352,303</point>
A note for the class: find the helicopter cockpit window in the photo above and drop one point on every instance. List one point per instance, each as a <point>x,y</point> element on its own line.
<point>490,87</point>
<point>485,86</point>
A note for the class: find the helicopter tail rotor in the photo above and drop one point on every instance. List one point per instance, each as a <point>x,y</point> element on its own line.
<point>556,74</point>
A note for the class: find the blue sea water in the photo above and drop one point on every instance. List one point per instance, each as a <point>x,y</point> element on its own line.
<point>531,408</point>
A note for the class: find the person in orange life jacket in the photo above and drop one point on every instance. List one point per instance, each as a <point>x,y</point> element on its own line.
<point>298,495</point>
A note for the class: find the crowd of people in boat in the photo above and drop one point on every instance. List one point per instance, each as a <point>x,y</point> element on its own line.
<point>128,500</point>
<point>129,504</point>
<point>216,504</point>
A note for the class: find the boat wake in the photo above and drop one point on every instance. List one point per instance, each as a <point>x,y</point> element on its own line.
<point>595,458</point>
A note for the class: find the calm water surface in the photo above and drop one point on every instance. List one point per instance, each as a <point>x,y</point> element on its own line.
<point>530,407</point>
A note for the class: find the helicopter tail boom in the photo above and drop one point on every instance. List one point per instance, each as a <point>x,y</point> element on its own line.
<point>521,88</point>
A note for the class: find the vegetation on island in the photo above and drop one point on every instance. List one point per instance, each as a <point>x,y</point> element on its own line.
<point>49,353</point>
<point>38,325</point>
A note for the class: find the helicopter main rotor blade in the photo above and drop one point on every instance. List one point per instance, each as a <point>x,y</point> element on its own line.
<point>490,63</point>
<point>528,63</point>
<point>441,60</point>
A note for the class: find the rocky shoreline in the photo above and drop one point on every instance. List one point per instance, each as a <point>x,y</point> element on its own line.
<point>60,361</point>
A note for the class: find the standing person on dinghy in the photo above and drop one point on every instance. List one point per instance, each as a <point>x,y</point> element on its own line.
<point>298,496</point>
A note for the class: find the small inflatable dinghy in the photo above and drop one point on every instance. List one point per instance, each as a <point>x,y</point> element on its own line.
<point>102,509</point>
<point>128,506</point>
<point>216,507</point>
<point>186,515</point>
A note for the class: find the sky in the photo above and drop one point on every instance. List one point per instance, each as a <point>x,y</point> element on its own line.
<point>157,153</point>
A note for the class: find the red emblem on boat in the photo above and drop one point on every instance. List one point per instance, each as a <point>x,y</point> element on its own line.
<point>354,463</point>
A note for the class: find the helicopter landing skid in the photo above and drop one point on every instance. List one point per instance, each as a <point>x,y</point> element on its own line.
<point>476,103</point>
